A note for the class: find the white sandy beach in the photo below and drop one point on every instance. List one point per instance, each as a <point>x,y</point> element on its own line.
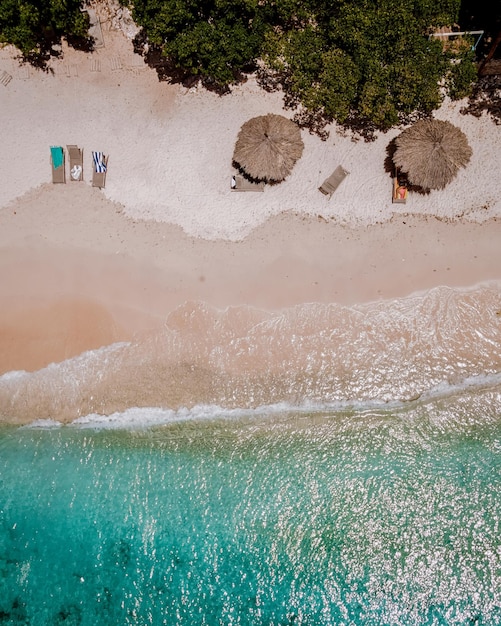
<point>82,267</point>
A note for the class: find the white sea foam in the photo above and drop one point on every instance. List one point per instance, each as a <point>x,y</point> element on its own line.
<point>482,381</point>
<point>14,375</point>
<point>310,357</point>
<point>148,417</point>
<point>145,417</point>
<point>46,424</point>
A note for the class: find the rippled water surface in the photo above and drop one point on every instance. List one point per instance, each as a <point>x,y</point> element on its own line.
<point>240,357</point>
<point>326,518</point>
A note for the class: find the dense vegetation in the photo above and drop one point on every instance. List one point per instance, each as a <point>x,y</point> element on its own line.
<point>368,64</point>
<point>365,63</point>
<point>35,26</point>
<point>212,40</point>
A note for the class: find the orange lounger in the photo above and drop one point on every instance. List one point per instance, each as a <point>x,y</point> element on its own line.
<point>400,190</point>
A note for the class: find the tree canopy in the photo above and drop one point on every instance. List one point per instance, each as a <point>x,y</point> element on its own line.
<point>34,26</point>
<point>368,64</point>
<point>213,40</point>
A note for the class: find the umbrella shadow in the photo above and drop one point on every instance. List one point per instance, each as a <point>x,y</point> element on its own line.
<point>392,170</point>
<point>242,172</point>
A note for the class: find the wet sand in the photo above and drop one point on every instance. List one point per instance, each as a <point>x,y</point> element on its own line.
<point>77,274</point>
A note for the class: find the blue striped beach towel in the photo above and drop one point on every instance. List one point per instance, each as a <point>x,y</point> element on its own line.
<point>99,164</point>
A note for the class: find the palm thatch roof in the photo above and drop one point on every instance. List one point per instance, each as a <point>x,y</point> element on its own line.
<point>267,147</point>
<point>431,152</point>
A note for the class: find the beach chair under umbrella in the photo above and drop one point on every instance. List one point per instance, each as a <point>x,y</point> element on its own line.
<point>267,147</point>
<point>431,152</point>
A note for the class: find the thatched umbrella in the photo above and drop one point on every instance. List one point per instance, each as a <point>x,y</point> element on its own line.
<point>268,146</point>
<point>431,152</point>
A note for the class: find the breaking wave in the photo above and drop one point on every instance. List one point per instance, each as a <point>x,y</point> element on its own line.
<point>309,357</point>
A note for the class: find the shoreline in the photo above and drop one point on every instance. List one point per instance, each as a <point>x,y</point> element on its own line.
<point>82,267</point>
<point>65,245</point>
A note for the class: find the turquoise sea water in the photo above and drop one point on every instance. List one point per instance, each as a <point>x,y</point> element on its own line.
<point>320,465</point>
<point>377,517</point>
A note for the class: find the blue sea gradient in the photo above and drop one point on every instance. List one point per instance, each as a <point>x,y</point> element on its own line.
<point>350,517</point>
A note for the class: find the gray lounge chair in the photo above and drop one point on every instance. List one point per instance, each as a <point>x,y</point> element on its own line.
<point>95,30</point>
<point>329,186</point>
<point>242,184</point>
<point>100,166</point>
<point>57,164</point>
<point>5,78</point>
<point>76,162</point>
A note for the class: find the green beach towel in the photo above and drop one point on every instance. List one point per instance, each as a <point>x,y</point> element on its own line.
<point>57,156</point>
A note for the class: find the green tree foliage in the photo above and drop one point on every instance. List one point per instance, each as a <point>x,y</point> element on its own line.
<point>318,78</point>
<point>369,63</point>
<point>211,39</point>
<point>34,26</point>
<point>461,71</point>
